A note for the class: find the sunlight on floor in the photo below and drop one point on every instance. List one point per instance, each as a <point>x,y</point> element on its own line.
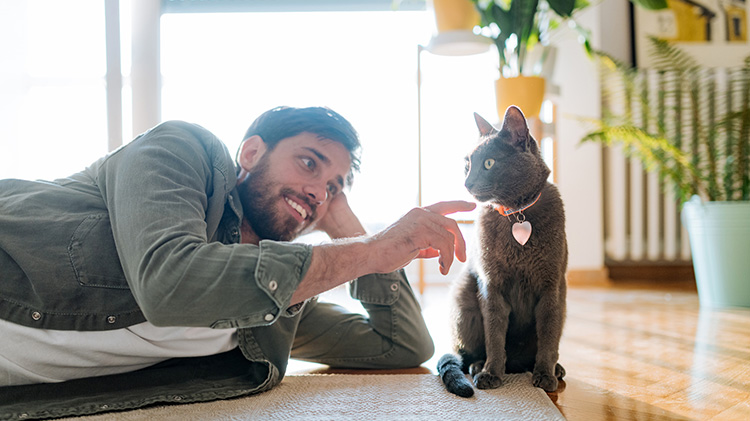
<point>631,352</point>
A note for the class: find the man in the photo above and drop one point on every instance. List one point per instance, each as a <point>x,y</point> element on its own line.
<point>164,272</point>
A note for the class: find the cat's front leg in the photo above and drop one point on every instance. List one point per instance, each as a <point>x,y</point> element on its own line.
<point>550,316</point>
<point>495,311</point>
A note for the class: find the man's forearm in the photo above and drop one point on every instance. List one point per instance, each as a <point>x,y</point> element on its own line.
<point>422,232</point>
<point>332,265</point>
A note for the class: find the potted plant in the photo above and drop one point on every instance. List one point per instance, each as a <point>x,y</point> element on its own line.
<point>521,31</point>
<point>454,15</point>
<point>700,145</point>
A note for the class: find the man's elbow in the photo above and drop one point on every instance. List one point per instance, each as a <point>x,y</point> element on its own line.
<point>159,318</point>
<point>161,313</point>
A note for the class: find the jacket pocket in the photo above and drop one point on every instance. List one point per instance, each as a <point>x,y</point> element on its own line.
<point>94,256</point>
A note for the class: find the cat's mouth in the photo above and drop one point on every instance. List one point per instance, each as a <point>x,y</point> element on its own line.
<point>481,196</point>
<point>487,198</point>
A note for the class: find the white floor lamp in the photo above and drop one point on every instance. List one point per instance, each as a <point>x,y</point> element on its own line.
<point>451,43</point>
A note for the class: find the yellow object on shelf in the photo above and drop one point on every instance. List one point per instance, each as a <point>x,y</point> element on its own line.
<point>455,15</point>
<point>525,92</point>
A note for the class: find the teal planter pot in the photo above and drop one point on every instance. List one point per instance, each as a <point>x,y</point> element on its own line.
<point>720,243</point>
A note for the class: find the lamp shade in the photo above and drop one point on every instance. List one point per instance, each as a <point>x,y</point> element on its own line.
<point>458,43</point>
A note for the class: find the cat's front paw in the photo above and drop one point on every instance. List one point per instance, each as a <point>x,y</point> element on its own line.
<point>485,380</point>
<point>546,381</point>
<point>476,368</point>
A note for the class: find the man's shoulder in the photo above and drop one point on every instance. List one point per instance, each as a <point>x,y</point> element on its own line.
<point>184,128</point>
<point>192,136</point>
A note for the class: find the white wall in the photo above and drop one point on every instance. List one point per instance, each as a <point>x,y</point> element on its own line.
<point>580,165</point>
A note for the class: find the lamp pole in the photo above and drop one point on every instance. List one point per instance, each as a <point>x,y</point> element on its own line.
<point>420,48</point>
<point>452,43</point>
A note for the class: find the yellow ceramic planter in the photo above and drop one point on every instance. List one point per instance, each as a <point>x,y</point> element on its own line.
<point>455,15</point>
<point>525,92</point>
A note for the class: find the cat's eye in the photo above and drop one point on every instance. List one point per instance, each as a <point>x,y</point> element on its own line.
<point>488,163</point>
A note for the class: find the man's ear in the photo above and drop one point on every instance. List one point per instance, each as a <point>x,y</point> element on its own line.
<point>250,152</point>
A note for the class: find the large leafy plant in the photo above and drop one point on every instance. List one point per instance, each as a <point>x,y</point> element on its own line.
<point>695,132</point>
<point>521,28</point>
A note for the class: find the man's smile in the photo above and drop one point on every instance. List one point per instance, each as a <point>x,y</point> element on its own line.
<point>301,209</point>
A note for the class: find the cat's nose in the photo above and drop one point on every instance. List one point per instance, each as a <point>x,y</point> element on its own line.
<point>468,184</point>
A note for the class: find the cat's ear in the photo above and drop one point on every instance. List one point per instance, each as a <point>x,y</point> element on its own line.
<point>514,122</point>
<point>484,127</point>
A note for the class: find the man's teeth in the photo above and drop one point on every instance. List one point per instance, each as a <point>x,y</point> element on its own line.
<point>298,208</point>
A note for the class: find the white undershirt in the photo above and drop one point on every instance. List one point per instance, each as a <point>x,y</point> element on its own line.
<point>29,355</point>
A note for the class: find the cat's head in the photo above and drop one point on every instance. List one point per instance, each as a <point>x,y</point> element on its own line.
<point>506,168</point>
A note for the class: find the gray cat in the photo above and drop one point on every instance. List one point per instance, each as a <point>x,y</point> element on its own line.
<point>510,302</point>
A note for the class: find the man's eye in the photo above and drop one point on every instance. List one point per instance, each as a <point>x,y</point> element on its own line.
<point>332,190</point>
<point>309,163</point>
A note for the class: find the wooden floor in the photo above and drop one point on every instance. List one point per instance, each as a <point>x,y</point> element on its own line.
<point>649,354</point>
<point>636,352</point>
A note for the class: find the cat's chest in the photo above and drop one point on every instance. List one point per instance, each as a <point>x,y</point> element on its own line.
<point>511,239</point>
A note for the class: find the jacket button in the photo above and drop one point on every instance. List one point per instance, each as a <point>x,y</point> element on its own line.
<point>111,319</point>
<point>269,317</point>
<point>394,287</point>
<point>273,285</point>
<point>36,315</point>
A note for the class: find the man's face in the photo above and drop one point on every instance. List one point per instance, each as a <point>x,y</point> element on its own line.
<point>287,189</point>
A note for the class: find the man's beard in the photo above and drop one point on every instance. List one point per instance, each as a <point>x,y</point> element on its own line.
<point>260,202</point>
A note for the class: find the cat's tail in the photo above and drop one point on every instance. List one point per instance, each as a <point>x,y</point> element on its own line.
<point>449,369</point>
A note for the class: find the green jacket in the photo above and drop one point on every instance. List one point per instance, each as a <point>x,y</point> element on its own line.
<point>151,232</point>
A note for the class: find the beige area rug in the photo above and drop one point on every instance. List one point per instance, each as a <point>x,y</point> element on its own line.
<point>363,397</point>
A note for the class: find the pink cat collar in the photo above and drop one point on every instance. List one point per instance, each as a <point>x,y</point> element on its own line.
<point>508,211</point>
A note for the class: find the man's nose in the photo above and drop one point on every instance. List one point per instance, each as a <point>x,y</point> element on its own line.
<point>317,194</point>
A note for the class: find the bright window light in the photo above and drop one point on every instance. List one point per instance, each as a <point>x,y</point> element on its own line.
<point>52,94</point>
<point>222,70</point>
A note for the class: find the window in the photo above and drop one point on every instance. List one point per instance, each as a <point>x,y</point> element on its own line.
<point>222,70</point>
<point>52,91</point>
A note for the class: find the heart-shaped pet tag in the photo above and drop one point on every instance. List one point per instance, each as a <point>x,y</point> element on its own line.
<point>522,232</point>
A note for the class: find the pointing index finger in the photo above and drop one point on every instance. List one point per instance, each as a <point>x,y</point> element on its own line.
<point>445,208</point>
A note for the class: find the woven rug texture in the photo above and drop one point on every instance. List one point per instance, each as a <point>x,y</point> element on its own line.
<point>363,397</point>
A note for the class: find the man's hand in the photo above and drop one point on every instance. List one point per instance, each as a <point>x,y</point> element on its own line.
<point>421,233</point>
<point>339,220</point>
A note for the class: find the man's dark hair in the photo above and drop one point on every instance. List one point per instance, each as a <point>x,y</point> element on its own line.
<point>283,122</point>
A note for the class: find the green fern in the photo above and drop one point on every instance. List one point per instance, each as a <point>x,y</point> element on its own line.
<point>655,152</point>
<point>709,156</point>
<point>670,58</point>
